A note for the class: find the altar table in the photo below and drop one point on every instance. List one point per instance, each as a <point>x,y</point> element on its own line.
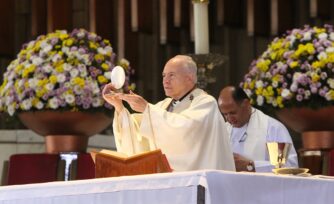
<point>179,187</point>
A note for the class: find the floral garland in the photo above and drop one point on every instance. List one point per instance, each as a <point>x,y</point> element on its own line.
<point>296,70</point>
<point>60,71</point>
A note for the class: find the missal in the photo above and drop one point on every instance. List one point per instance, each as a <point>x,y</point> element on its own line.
<point>110,163</point>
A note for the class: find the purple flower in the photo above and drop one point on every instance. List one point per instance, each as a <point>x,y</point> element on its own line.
<point>299,97</point>
<point>322,92</point>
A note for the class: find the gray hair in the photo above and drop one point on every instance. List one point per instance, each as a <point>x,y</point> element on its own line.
<point>189,64</point>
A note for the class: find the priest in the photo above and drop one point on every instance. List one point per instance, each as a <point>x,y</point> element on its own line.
<point>187,126</point>
<point>250,129</point>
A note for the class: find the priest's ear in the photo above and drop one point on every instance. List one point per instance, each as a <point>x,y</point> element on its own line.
<point>246,102</point>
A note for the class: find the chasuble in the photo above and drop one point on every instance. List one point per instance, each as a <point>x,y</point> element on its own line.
<point>192,135</point>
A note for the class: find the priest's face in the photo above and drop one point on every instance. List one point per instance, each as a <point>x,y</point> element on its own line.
<point>237,114</point>
<point>176,79</point>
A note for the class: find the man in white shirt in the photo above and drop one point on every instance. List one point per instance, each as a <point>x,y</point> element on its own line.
<point>186,126</point>
<point>250,129</point>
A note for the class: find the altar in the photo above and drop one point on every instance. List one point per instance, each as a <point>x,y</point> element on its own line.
<point>205,186</point>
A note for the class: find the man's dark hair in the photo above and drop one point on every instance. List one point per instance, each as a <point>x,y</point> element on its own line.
<point>239,95</point>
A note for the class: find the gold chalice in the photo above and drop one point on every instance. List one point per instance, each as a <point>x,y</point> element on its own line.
<point>278,155</point>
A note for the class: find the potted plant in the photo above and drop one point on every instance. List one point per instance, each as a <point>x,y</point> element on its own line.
<point>295,77</point>
<point>54,86</point>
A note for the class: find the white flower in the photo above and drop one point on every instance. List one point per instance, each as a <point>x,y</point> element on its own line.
<point>67,67</point>
<point>107,75</point>
<point>11,110</point>
<point>83,73</point>
<point>322,56</point>
<point>307,94</point>
<point>330,82</point>
<point>53,103</point>
<point>296,76</point>
<point>9,100</point>
<point>101,51</point>
<point>307,36</point>
<point>108,49</point>
<point>74,73</point>
<point>274,84</point>
<point>77,90</point>
<point>69,98</point>
<point>285,93</point>
<point>81,34</point>
<point>46,48</point>
<point>292,39</point>
<point>39,105</point>
<point>259,84</point>
<point>67,84</point>
<point>65,50</point>
<point>56,58</point>
<point>49,86</point>
<point>97,102</point>
<point>47,68</point>
<point>37,61</point>
<point>274,103</point>
<point>331,36</point>
<point>328,96</point>
<point>26,104</point>
<point>259,100</point>
<point>61,78</point>
<point>330,49</point>
<point>86,60</point>
<point>322,36</point>
<point>32,83</point>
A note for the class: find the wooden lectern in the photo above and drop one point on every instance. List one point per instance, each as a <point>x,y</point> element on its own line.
<point>111,164</point>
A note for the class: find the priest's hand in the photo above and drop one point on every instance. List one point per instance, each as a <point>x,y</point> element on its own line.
<point>112,97</point>
<point>136,102</point>
<point>242,163</point>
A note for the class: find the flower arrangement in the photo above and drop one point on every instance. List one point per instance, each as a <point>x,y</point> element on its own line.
<point>60,71</point>
<point>296,70</point>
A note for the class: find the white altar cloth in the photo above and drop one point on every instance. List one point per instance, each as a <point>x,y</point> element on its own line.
<point>181,187</point>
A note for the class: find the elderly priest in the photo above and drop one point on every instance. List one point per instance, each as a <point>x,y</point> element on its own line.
<point>187,126</point>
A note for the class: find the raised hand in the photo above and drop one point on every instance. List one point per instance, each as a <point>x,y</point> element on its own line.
<point>112,97</point>
<point>136,102</point>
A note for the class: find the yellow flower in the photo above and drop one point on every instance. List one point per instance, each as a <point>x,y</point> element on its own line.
<point>78,81</point>
<point>263,65</point>
<point>293,64</point>
<point>102,79</point>
<point>63,36</point>
<point>99,57</point>
<point>259,91</point>
<point>330,95</point>
<point>319,30</point>
<point>68,42</point>
<point>41,92</point>
<point>53,79</point>
<point>310,48</point>
<point>105,66</point>
<point>318,64</point>
<point>315,77</point>
<point>59,66</point>
<point>92,45</point>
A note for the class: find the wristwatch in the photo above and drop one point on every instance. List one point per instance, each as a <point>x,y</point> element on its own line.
<point>250,166</point>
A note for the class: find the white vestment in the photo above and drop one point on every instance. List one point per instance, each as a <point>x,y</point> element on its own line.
<point>193,136</point>
<point>250,140</point>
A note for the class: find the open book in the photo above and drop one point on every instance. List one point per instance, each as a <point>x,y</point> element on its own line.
<point>110,163</point>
